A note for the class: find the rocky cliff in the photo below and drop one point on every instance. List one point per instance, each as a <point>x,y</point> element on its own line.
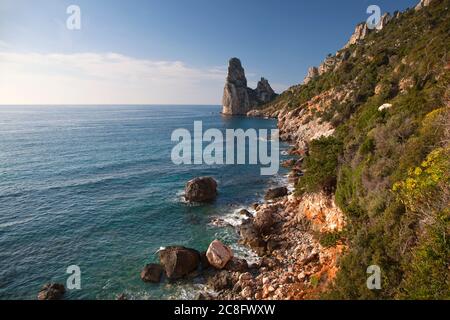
<point>374,163</point>
<point>238,99</point>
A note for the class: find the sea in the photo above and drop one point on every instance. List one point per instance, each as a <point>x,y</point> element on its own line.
<point>95,187</point>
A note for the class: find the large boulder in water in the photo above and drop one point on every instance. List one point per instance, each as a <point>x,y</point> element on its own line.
<point>178,262</point>
<point>152,273</point>
<point>52,291</point>
<point>203,189</point>
<point>218,254</point>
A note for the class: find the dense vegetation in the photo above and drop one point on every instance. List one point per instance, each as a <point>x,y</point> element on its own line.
<point>389,170</point>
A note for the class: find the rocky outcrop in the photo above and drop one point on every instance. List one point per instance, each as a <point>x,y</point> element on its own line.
<point>218,254</point>
<point>52,291</point>
<point>360,33</point>
<point>203,189</point>
<point>238,99</point>
<point>422,4</point>
<point>385,19</point>
<point>251,237</point>
<point>313,73</point>
<point>293,265</point>
<point>179,262</point>
<point>152,273</point>
<point>264,92</point>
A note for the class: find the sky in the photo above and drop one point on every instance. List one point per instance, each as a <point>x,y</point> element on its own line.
<point>165,51</point>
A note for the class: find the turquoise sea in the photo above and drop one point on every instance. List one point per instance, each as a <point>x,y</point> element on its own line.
<point>94,186</point>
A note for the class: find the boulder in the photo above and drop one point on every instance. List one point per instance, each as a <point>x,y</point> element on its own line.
<point>276,193</point>
<point>52,291</point>
<point>179,262</point>
<point>152,273</point>
<point>263,221</point>
<point>203,189</point>
<point>237,265</point>
<point>218,254</point>
<point>251,237</point>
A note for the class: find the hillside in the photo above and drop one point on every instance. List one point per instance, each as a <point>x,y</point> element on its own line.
<point>374,123</point>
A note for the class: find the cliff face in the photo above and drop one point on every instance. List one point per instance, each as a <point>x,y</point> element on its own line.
<point>377,153</point>
<point>238,99</point>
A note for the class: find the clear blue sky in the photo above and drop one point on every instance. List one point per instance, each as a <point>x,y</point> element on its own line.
<point>275,39</point>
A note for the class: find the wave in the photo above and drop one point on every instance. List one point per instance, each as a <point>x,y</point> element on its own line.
<point>13,223</point>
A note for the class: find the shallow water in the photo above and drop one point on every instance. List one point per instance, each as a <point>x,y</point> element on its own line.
<point>94,186</point>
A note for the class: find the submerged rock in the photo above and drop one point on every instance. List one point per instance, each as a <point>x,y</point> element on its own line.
<point>179,262</point>
<point>52,291</point>
<point>218,254</point>
<point>203,189</point>
<point>152,273</point>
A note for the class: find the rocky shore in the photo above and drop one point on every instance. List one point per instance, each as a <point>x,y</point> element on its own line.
<point>285,233</point>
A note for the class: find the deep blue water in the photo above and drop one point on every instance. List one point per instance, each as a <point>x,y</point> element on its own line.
<point>94,186</point>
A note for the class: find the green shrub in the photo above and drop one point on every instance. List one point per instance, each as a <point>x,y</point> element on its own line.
<point>321,166</point>
<point>330,239</point>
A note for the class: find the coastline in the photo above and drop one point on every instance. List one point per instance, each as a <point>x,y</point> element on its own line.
<point>284,232</point>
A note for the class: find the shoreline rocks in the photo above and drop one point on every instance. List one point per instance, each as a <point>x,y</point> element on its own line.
<point>218,254</point>
<point>179,262</point>
<point>152,273</point>
<point>52,291</point>
<point>274,193</point>
<point>202,189</point>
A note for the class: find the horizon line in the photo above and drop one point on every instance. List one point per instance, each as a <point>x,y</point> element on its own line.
<point>107,104</point>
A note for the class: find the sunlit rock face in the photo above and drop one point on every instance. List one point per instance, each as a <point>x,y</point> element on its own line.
<point>238,99</point>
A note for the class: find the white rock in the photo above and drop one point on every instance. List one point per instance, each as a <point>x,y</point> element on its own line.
<point>385,106</point>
